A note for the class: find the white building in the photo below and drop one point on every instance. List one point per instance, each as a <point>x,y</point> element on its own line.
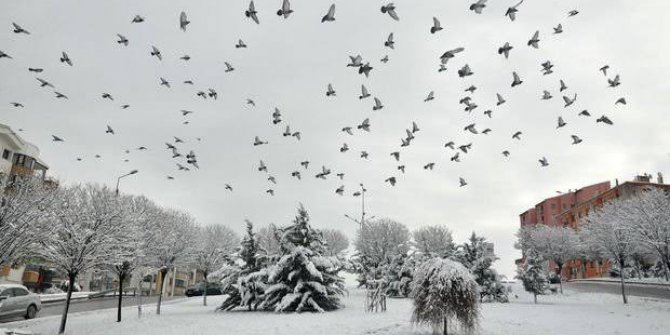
<point>18,156</point>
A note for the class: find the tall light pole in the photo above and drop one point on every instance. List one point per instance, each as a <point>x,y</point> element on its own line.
<point>118,180</point>
<point>360,222</point>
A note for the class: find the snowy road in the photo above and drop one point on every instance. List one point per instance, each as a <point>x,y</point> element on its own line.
<point>650,291</point>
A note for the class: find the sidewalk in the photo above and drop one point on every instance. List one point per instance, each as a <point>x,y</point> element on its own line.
<point>634,281</point>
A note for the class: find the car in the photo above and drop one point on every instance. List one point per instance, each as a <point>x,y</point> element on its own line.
<point>17,301</point>
<point>197,289</point>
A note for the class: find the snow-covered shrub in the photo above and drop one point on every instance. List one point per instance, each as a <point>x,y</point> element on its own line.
<point>473,255</point>
<point>444,291</point>
<point>532,276</point>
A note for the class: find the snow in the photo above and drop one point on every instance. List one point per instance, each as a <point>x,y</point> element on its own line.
<point>571,313</point>
<point>62,296</point>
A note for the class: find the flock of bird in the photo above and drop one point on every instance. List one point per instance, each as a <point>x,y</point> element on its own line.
<point>185,162</point>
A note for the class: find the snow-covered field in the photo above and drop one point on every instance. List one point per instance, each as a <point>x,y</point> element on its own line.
<point>571,313</point>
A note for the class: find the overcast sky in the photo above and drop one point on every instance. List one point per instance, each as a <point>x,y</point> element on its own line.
<point>289,63</point>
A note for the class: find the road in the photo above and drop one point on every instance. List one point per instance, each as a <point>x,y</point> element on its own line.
<point>650,291</point>
<point>95,304</point>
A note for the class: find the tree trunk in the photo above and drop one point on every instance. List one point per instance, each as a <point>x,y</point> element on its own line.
<point>163,273</point>
<point>122,276</point>
<point>70,288</point>
<point>139,299</point>
<point>623,286</point>
<point>535,297</point>
<point>444,330</point>
<point>204,294</point>
<point>560,277</point>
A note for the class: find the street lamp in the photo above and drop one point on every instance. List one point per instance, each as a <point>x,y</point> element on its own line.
<point>119,179</point>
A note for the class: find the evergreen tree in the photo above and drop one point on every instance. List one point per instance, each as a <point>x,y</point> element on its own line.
<point>473,255</point>
<point>400,274</point>
<point>533,277</point>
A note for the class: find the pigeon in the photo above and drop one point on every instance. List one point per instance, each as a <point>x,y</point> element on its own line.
<point>390,180</point>
<point>471,128</point>
<point>511,11</point>
<point>262,167</point>
<point>272,179</point>
<point>19,30</point>
<point>324,172</point>
<point>142,148</point>
<point>276,116</point>
<point>212,93</point>
<point>415,127</point>
<point>385,59</point>
<point>378,104</point>
<point>107,96</point>
<point>505,49</point>
<point>546,95</point>
<point>156,52</point>
<point>455,157</point>
<point>488,113</point>
<point>486,131</point>
<point>355,61</point>
<point>251,13</point>
<point>465,100</point>
<point>330,16</point>
<point>506,153</point>
<point>516,80</point>
<point>185,57</point>
<point>228,187</point>
<point>390,10</point>
<point>436,26</point>
<point>164,82</point>
<point>137,19</point>
<point>36,70</point>
<point>170,146</point>
<point>16,104</point>
<point>449,54</point>
<point>543,161</point>
<point>365,125</point>
<point>401,168</point>
<point>584,113</point>
<point>202,94</point>
<point>533,42</point>
<point>501,100</point>
<point>621,101</point>
<point>569,101</point>
<point>44,83</point>
<point>404,142</point>
<point>517,135</point>
<point>285,9</point>
<point>271,191</point>
<point>364,154</point>
<point>430,97</point>
<point>330,92</point>
<point>465,147</point>
<point>61,95</point>
<point>573,13</point>
<point>340,190</point>
<point>65,59</point>
<point>560,123</point>
<point>175,153</point>
<point>462,182</point>
<point>341,176</point>
<point>470,107</point>
<point>396,155</point>
<point>257,141</point>
<point>344,148</point>
<point>122,40</point>
<point>389,42</point>
<point>347,130</point>
<point>558,29</point>
<point>429,166</point>
<point>4,55</point>
<point>296,174</point>
<point>240,44</point>
<point>296,135</point>
<point>287,132</point>
<point>471,89</point>
<point>364,93</point>
<point>183,21</point>
<point>465,71</point>
<point>365,69</point>
<point>251,102</point>
<point>304,164</point>
<point>604,119</point>
<point>563,86</point>
<point>56,138</point>
<point>442,68</point>
<point>178,140</point>
<point>614,82</point>
<point>547,68</point>
<point>576,139</point>
<point>604,69</point>
<point>478,6</point>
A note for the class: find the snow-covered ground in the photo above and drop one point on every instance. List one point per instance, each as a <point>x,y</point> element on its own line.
<point>62,296</point>
<point>653,281</point>
<point>571,313</point>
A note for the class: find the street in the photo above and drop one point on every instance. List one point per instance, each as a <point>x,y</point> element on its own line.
<point>95,304</point>
<point>651,291</point>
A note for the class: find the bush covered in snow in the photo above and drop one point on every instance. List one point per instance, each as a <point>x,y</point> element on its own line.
<point>532,276</point>
<point>475,257</point>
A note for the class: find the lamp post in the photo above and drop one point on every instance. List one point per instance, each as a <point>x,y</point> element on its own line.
<point>119,179</point>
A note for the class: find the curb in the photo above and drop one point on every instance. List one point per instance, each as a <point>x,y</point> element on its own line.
<point>617,282</point>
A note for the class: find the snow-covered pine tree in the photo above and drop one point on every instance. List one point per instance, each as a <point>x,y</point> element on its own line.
<point>533,277</point>
<point>303,279</point>
<point>474,256</point>
<point>399,274</point>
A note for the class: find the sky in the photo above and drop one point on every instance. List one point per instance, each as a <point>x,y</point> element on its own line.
<point>289,63</point>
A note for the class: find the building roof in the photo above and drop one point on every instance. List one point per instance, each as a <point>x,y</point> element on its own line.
<point>20,145</point>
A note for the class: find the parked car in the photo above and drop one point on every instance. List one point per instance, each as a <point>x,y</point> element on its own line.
<point>197,289</point>
<point>17,301</point>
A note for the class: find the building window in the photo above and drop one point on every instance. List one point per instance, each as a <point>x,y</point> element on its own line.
<point>180,283</point>
<point>5,154</point>
<point>553,206</point>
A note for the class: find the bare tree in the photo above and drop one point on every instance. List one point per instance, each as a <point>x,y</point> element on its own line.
<point>81,231</point>
<point>435,240</point>
<point>269,240</point>
<point>336,241</point>
<point>22,202</point>
<point>381,239</point>
<point>214,244</point>
<point>558,244</point>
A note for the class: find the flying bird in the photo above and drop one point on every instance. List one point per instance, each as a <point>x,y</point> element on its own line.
<point>61,95</point>
<point>471,128</point>
<point>330,16</point>
<point>501,100</point>
<point>251,12</point>
<point>16,104</point>
<point>109,130</point>
<point>44,83</point>
<point>390,180</point>
<point>365,69</point>
<point>604,69</point>
<point>516,80</point>
<point>543,161</point>
<point>137,19</point>
<point>449,54</point>
<point>576,139</point>
<point>122,40</point>
<point>378,104</point>
<point>296,174</point>
<point>330,91</point>
<point>212,93</point>
<point>356,61</point>
<point>240,44</point>
<point>568,101</point>
<point>4,55</point>
<point>385,59</point>
<point>304,164</point>
<point>604,119</point>
<point>107,96</point>
<point>546,95</point>
<point>401,168</point>
<point>396,155</point>
<point>56,138</point>
<point>558,29</point>
<point>285,9</point>
<point>340,190</point>
<point>364,154</point>
<point>506,153</point>
<point>183,21</point>
<point>511,11</point>
<point>347,130</point>
<point>533,42</point>
<point>389,42</point>
<point>257,141</point>
<point>430,97</point>
<point>390,10</point>
<point>614,82</point>
<point>465,71</point>
<point>185,57</point>
<point>364,93</point>
<point>36,70</point>
<point>19,30</point>
<point>429,166</point>
<point>478,6</point>
<point>262,167</point>
<point>156,52</point>
<point>229,68</point>
<point>462,182</point>
<point>65,59</point>
<point>270,192</point>
<point>455,158</point>
<point>573,13</point>
<point>584,113</point>
<point>505,49</point>
<point>365,125</point>
<point>442,68</point>
<point>560,123</point>
<point>621,101</point>
<point>436,26</point>
<point>517,135</point>
<point>164,82</point>
<point>563,86</point>
<point>228,187</point>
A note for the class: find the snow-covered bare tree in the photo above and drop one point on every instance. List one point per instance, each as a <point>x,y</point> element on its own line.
<point>336,241</point>
<point>269,240</point>
<point>608,230</point>
<point>172,235</point>
<point>557,244</point>
<point>378,242</point>
<point>22,202</point>
<point>214,244</point>
<point>444,291</point>
<point>434,240</point>
<point>81,231</point>
<point>648,214</point>
<point>474,255</point>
